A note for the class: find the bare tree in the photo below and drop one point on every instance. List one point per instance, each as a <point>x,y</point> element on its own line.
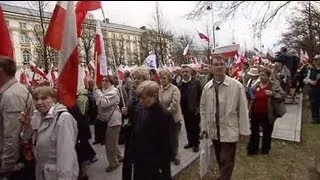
<point>267,10</point>
<point>304,30</point>
<point>179,44</point>
<point>118,49</point>
<point>159,35</point>
<point>44,54</point>
<point>87,39</point>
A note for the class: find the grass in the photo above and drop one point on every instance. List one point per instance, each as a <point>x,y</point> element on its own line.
<point>287,160</point>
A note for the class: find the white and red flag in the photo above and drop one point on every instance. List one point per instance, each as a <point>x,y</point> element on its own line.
<point>301,54</point>
<point>81,78</point>
<point>102,68</point>
<point>228,51</point>
<point>82,9</point>
<point>186,49</point>
<point>6,46</point>
<point>121,72</point>
<point>237,58</point>
<point>270,54</point>
<point>37,70</point>
<point>305,57</point>
<point>194,60</point>
<point>54,74</point>
<point>62,36</point>
<point>87,79</point>
<point>202,36</point>
<point>24,78</point>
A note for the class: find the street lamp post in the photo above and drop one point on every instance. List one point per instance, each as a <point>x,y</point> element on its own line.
<point>214,28</point>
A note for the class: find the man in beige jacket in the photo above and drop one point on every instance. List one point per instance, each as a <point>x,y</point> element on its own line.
<point>224,115</point>
<point>14,99</point>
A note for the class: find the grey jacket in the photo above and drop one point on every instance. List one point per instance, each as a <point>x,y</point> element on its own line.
<point>108,101</point>
<point>13,100</point>
<point>56,139</point>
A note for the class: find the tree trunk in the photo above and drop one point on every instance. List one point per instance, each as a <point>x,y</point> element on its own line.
<point>45,57</point>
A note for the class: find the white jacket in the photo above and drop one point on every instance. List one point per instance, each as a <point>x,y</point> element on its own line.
<point>55,152</point>
<point>234,116</point>
<point>108,105</point>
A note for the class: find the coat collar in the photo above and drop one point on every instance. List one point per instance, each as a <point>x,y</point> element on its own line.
<point>166,87</point>
<point>226,81</point>
<point>108,89</point>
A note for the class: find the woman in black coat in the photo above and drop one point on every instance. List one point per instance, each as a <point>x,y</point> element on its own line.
<point>149,147</point>
<point>131,111</point>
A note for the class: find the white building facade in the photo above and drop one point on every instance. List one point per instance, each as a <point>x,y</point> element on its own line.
<point>23,24</point>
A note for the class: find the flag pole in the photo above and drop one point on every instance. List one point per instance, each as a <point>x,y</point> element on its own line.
<point>96,66</point>
<point>114,61</point>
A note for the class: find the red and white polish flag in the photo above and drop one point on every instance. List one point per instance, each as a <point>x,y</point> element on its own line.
<point>54,74</point>
<point>121,72</point>
<point>82,8</point>
<point>202,36</point>
<point>227,51</point>
<point>24,78</point>
<point>186,49</point>
<point>62,36</point>
<point>6,46</point>
<point>37,70</point>
<point>102,68</point>
<point>87,78</point>
<point>55,34</point>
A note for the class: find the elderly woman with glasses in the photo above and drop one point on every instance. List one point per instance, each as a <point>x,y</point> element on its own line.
<point>169,97</point>
<point>55,137</point>
<point>109,114</point>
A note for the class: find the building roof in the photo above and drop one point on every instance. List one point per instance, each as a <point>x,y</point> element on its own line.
<point>31,12</point>
<point>23,11</point>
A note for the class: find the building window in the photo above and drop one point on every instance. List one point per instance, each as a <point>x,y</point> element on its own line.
<point>23,25</point>
<point>37,27</point>
<point>24,37</point>
<point>26,57</point>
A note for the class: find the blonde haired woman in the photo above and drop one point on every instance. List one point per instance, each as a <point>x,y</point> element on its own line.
<point>55,137</point>
<point>169,97</point>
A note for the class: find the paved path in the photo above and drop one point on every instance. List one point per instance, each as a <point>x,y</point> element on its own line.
<point>287,128</point>
<point>97,170</point>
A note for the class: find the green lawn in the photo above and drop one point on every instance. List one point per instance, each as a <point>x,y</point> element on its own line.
<point>287,160</point>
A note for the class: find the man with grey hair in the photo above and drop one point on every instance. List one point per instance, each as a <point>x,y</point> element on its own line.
<point>14,99</point>
<point>191,90</point>
<point>224,115</point>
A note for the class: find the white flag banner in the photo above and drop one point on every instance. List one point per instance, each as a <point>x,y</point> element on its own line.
<point>205,157</point>
<point>81,77</point>
<point>150,61</point>
<point>185,51</point>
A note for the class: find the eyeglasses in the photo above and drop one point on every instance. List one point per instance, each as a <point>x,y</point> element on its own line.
<point>218,64</point>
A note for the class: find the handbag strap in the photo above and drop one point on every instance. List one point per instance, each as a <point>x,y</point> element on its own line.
<point>112,113</point>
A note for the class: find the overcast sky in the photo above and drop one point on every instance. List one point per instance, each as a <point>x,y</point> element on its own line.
<point>139,13</point>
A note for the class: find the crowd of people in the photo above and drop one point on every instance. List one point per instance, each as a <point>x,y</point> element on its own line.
<point>43,139</point>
